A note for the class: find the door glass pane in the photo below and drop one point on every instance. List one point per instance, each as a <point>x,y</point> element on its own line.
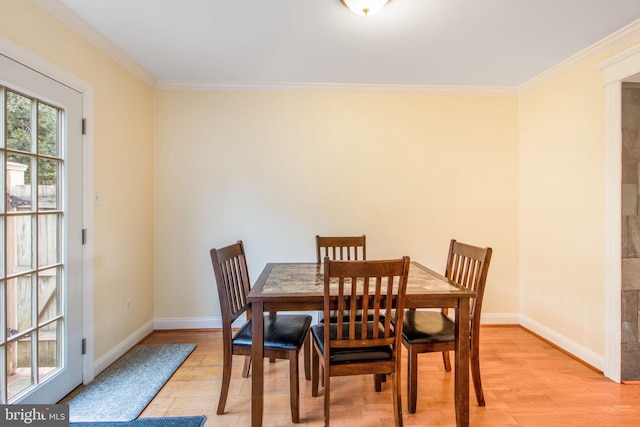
<point>19,134</point>
<point>19,243</point>
<point>3,347</point>
<point>48,292</point>
<point>47,130</point>
<point>49,227</point>
<point>49,348</point>
<point>5,200</point>
<point>19,366</point>
<point>20,300</point>
<point>48,184</point>
<point>19,180</point>
<point>3,328</point>
<point>2,270</point>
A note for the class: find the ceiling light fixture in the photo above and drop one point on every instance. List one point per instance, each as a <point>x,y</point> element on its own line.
<point>365,7</point>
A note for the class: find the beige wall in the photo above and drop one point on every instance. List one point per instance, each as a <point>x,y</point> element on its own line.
<point>123,145</point>
<point>562,204</point>
<point>275,169</point>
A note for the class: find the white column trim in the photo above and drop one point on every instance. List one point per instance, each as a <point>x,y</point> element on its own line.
<point>613,223</point>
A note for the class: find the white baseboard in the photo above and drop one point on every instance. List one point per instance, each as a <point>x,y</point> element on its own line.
<point>166,323</point>
<point>500,319</point>
<point>579,351</point>
<point>102,363</point>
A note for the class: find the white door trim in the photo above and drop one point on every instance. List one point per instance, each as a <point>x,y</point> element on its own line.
<point>617,69</point>
<point>31,60</point>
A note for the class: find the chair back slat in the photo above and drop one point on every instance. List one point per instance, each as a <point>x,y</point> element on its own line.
<point>232,279</point>
<point>389,306</point>
<point>377,299</point>
<point>468,265</point>
<point>349,248</point>
<point>379,287</point>
<point>232,276</point>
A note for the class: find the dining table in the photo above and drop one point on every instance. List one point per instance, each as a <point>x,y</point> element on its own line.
<point>300,287</point>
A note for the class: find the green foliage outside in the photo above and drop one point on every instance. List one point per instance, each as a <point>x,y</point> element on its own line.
<point>19,131</point>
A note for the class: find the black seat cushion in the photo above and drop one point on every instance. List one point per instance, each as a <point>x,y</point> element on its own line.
<point>281,331</point>
<point>346,355</point>
<point>427,327</point>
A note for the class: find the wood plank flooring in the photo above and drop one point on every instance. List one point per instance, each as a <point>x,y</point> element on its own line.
<point>527,382</point>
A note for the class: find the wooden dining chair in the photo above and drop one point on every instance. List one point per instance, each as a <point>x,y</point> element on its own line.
<point>284,334</point>
<point>354,345</point>
<point>341,248</point>
<point>434,331</point>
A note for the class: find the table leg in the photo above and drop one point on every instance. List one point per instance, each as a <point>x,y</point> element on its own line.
<point>257,359</point>
<point>462,363</point>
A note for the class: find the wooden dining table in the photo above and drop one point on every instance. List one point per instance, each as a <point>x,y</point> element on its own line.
<point>300,287</point>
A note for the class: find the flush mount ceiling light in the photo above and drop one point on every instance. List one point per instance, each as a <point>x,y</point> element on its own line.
<point>365,7</point>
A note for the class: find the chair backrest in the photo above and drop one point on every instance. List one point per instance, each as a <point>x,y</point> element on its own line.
<point>468,266</point>
<point>361,286</point>
<point>232,278</point>
<point>351,248</point>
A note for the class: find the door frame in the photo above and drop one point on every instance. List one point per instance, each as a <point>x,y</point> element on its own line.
<point>617,69</point>
<point>31,60</point>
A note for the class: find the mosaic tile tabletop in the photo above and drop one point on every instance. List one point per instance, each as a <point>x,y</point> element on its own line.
<point>307,279</point>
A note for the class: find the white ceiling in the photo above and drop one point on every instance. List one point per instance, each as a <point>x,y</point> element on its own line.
<point>487,43</point>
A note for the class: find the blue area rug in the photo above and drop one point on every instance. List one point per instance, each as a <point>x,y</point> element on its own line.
<point>124,389</point>
<point>151,422</point>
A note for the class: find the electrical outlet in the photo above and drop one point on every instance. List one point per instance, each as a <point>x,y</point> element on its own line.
<point>127,305</point>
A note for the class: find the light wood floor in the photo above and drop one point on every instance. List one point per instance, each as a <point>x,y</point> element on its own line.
<point>527,382</point>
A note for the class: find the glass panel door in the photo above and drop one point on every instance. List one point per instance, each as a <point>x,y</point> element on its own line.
<point>40,314</point>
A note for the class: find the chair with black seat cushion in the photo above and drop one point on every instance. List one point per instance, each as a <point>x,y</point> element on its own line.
<point>353,345</point>
<point>434,331</point>
<point>284,334</point>
<point>344,248</point>
<point>349,248</point>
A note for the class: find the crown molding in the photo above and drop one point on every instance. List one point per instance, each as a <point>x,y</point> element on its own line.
<point>630,31</point>
<point>80,26</point>
<point>76,23</point>
<point>331,88</point>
